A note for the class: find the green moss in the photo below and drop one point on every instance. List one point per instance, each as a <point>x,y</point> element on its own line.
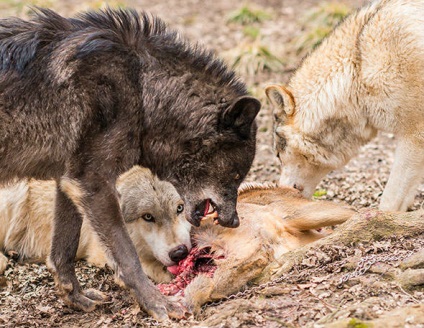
<point>355,323</point>
<point>320,193</point>
<point>263,129</point>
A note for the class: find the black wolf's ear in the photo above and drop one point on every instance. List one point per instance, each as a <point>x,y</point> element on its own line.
<point>241,114</point>
<point>282,100</point>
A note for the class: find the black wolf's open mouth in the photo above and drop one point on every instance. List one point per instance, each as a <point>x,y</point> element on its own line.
<point>207,210</point>
<point>199,261</point>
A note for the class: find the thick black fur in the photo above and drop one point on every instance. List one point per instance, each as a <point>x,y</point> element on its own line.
<point>86,98</point>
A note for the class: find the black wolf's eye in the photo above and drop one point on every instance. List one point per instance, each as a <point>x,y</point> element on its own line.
<point>148,217</point>
<point>237,177</point>
<point>180,208</point>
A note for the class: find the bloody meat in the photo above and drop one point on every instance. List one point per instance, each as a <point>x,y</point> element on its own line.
<point>199,261</point>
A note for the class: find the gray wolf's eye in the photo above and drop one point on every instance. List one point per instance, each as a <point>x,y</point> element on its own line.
<point>180,208</point>
<point>148,217</point>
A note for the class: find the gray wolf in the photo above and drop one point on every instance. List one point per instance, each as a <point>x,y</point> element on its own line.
<point>84,99</point>
<point>275,220</point>
<point>152,210</point>
<point>367,76</point>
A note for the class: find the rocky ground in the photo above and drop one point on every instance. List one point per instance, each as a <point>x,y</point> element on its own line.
<point>310,294</point>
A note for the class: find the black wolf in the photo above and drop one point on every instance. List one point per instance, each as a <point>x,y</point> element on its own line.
<point>84,99</point>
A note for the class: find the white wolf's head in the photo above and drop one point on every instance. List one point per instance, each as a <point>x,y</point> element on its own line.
<point>305,160</point>
<point>154,216</point>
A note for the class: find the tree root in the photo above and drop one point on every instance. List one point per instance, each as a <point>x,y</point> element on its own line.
<point>367,226</point>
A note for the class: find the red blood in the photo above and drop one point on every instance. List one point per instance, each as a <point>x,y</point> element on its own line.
<point>198,261</point>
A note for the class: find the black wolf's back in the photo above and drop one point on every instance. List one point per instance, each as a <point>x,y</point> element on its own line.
<point>63,80</point>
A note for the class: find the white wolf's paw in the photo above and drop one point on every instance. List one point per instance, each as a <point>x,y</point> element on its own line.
<point>3,262</point>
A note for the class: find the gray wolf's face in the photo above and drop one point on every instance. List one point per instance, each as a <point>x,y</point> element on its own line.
<point>154,215</point>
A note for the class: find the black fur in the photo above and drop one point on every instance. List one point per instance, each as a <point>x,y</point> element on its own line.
<point>84,99</point>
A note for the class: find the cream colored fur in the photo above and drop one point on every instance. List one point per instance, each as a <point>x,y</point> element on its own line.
<point>274,220</point>
<point>368,75</point>
<point>27,210</point>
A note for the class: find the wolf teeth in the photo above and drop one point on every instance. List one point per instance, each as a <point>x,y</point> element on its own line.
<point>209,209</point>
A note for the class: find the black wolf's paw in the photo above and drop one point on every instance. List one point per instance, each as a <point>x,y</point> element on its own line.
<point>85,301</point>
<point>163,309</point>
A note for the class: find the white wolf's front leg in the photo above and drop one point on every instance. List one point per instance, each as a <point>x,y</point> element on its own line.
<point>3,262</point>
<point>405,176</point>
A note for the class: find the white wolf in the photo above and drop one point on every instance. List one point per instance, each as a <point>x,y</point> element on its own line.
<point>152,209</point>
<point>368,75</point>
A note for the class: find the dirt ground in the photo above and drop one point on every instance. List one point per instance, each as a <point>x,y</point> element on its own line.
<point>308,296</point>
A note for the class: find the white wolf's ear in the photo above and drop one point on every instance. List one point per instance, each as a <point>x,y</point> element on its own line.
<point>241,114</point>
<point>282,100</point>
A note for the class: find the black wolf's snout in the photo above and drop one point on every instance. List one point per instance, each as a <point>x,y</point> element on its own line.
<point>233,221</point>
<point>178,253</point>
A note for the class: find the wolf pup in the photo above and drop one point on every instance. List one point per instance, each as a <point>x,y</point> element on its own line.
<point>275,220</point>
<point>368,75</point>
<point>84,99</point>
<point>152,210</point>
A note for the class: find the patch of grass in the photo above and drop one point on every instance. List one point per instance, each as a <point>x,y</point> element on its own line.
<point>18,7</point>
<point>318,23</point>
<point>252,55</point>
<point>101,4</point>
<point>251,32</point>
<point>247,15</point>
<point>250,58</point>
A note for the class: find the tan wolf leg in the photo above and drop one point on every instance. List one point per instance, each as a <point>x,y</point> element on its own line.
<point>3,262</point>
<point>315,215</point>
<point>405,176</point>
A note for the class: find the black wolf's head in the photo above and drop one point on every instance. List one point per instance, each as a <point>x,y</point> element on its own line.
<point>206,154</point>
<point>210,173</point>
<point>195,122</point>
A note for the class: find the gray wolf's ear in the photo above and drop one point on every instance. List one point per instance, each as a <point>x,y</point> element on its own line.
<point>241,114</point>
<point>282,100</point>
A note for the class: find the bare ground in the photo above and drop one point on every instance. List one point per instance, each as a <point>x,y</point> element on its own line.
<point>309,295</point>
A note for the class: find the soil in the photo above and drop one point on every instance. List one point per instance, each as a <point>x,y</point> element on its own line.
<point>310,295</point>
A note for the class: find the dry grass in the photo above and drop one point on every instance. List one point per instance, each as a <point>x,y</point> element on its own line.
<point>253,57</point>
<point>318,23</point>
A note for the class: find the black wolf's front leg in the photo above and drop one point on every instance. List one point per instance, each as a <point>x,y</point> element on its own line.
<point>66,234</point>
<point>96,198</point>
